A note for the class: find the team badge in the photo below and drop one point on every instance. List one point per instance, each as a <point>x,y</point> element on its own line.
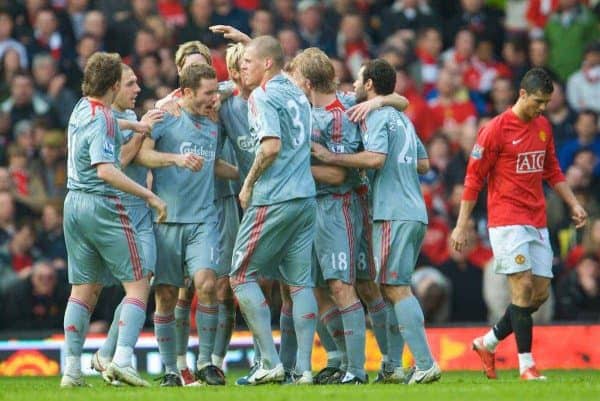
<point>519,259</point>
<point>543,136</point>
<point>477,152</point>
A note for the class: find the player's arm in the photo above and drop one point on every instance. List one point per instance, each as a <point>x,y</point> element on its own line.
<point>483,157</point>
<point>226,171</point>
<point>131,148</point>
<point>364,159</point>
<point>265,156</point>
<point>422,158</point>
<point>332,175</point>
<point>360,111</point>
<point>147,156</point>
<point>108,173</point>
<point>231,33</point>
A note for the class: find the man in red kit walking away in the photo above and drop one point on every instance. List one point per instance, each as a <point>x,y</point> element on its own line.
<point>515,153</point>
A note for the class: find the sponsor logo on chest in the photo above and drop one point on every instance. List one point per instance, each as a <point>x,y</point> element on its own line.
<point>531,162</point>
<point>190,147</point>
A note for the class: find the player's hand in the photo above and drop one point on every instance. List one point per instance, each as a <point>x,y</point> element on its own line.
<point>149,119</point>
<point>245,195</point>
<point>320,152</point>
<point>191,161</point>
<point>160,206</point>
<point>359,111</point>
<point>578,215</point>
<point>230,33</point>
<point>171,107</point>
<point>458,239</point>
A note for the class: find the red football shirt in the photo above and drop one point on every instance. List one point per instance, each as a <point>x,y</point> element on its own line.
<point>515,157</point>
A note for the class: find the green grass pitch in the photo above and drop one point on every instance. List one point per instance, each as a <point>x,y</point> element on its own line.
<point>562,385</point>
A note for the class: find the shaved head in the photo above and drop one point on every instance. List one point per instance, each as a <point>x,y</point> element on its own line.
<point>268,47</point>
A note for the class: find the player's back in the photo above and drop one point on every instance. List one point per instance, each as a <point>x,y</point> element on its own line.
<point>134,171</point>
<point>234,119</point>
<point>396,188</point>
<point>189,195</point>
<point>93,138</point>
<point>333,129</point>
<point>280,109</point>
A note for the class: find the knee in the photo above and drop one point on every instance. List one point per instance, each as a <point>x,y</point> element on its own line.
<point>224,293</point>
<point>538,300</point>
<point>166,297</point>
<point>208,285</point>
<point>341,291</point>
<point>368,291</point>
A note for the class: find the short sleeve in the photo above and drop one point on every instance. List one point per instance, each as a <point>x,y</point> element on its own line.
<point>264,116</point>
<point>376,139</point>
<point>421,151</point>
<point>102,140</point>
<point>160,127</point>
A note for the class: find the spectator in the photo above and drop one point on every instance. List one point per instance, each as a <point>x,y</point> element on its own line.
<point>48,39</point>
<point>434,292</point>
<point>353,43</point>
<point>451,105</point>
<point>95,24</point>
<point>53,165</point>
<point>285,14</point>
<point>590,244</point>
<point>538,12</point>
<point>17,255</point>
<point>51,239</point>
<point>407,16</point>
<point>7,42</point>
<point>483,21</point>
<point>467,280</point>
<point>149,74</point>
<point>578,293</point>
<point>28,188</point>
<point>87,45</point>
<point>172,12</point>
<point>568,31</point>
<point>76,11</point>
<point>428,51</point>
<point>7,207</point>
<point>9,67</point>
<point>51,85</point>
<point>561,117</point>
<point>484,68</point>
<point>36,302</point>
<point>586,129</point>
<point>313,33</point>
<point>583,87</point>
<point>502,95</point>
<point>199,20</point>
<point>121,35</point>
<point>463,50</point>
<point>24,104</point>
<point>290,43</point>
<point>539,55</point>
<point>226,13</point>
<point>457,167</point>
<point>417,110</point>
<point>261,23</point>
<point>514,52</point>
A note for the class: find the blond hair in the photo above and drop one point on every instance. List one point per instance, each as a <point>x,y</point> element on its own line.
<point>234,55</point>
<point>189,48</point>
<point>315,66</point>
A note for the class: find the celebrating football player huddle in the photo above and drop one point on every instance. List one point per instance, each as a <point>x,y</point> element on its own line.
<point>273,176</point>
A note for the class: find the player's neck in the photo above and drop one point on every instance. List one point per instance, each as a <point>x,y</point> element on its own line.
<point>520,113</point>
<point>105,100</point>
<point>118,108</point>
<point>269,75</point>
<point>319,99</point>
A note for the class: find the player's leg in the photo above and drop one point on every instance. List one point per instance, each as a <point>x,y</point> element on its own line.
<point>397,245</point>
<point>169,277</point>
<point>256,249</point>
<point>182,330</point>
<point>330,329</point>
<point>377,308</point>
<point>296,272</point>
<point>229,223</point>
<point>122,253</point>
<point>202,260</point>
<point>288,345</point>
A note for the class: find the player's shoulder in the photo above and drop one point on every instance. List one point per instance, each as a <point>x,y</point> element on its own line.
<point>347,99</point>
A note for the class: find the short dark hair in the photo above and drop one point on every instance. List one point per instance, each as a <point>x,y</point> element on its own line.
<point>382,74</point>
<point>537,80</point>
<point>102,71</point>
<point>589,112</point>
<point>192,75</point>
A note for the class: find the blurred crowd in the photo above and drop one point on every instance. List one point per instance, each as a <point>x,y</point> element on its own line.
<point>458,62</point>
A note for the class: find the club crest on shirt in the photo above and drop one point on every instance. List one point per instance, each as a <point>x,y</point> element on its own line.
<point>336,148</point>
<point>477,152</point>
<point>543,136</point>
<point>520,259</point>
<point>245,143</point>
